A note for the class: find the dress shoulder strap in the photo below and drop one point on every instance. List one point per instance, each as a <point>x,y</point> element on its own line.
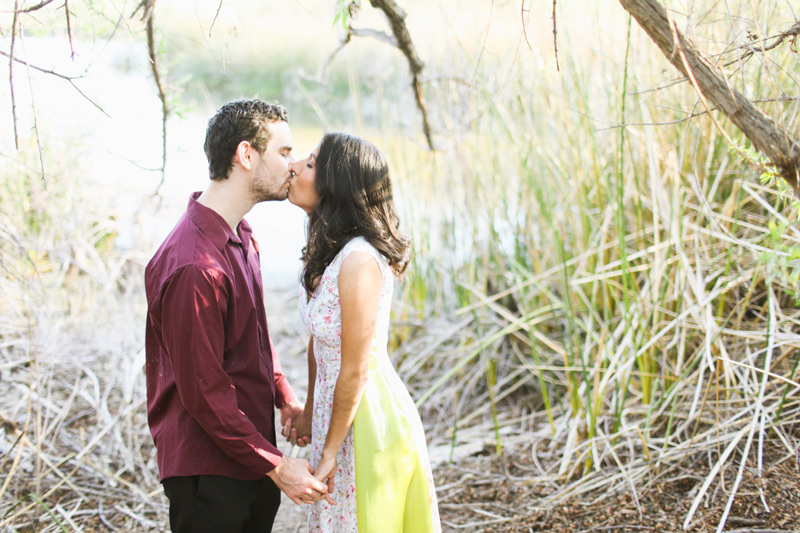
<point>360,244</point>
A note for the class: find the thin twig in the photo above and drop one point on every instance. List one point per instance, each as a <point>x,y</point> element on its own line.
<point>355,32</point>
<point>40,69</point>
<point>524,29</point>
<point>555,36</point>
<point>37,7</point>
<point>35,116</point>
<point>326,64</point>
<point>696,114</point>
<point>70,79</point>
<point>792,33</point>
<point>151,49</point>
<point>11,73</point>
<point>69,30</point>
<point>147,7</point>
<point>375,34</point>
<point>219,8</point>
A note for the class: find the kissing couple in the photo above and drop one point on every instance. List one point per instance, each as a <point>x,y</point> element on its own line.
<point>214,379</point>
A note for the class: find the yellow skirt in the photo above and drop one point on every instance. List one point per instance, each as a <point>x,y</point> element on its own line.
<point>394,486</point>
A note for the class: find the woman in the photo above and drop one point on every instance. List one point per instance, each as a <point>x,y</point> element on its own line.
<point>367,440</point>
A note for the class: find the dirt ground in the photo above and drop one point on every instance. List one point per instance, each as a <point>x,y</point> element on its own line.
<point>481,494</point>
<point>486,493</point>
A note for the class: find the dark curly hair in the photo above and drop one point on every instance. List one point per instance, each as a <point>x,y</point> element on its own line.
<point>237,121</point>
<point>355,199</point>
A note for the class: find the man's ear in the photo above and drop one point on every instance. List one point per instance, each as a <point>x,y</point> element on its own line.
<point>244,155</point>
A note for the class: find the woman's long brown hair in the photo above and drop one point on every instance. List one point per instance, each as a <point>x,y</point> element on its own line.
<point>355,199</point>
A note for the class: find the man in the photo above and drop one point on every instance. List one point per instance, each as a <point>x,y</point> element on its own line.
<point>213,378</point>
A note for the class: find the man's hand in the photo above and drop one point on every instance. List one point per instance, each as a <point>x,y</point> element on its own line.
<point>294,477</point>
<point>296,424</point>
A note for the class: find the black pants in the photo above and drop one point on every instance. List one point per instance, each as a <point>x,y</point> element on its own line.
<point>218,504</point>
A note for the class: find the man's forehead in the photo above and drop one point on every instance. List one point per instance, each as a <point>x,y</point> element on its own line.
<point>280,135</point>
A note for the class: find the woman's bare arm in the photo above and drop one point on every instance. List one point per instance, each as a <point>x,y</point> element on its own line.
<point>298,430</point>
<point>359,295</point>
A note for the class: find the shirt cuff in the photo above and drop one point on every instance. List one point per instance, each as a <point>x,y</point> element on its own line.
<point>284,394</point>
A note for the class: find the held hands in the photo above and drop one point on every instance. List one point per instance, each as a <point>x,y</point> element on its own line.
<point>294,477</point>
<point>296,424</point>
<point>298,430</point>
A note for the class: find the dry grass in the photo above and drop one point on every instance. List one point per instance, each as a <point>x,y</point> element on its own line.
<point>76,453</point>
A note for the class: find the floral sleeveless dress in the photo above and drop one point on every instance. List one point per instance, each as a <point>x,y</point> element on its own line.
<point>383,482</point>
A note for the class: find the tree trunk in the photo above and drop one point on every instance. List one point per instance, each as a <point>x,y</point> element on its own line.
<point>775,142</point>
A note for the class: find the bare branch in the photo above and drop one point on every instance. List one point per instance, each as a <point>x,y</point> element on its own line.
<point>356,32</point>
<point>146,6</point>
<point>69,30</point>
<point>696,114</point>
<point>400,40</point>
<point>151,49</point>
<point>40,69</point>
<point>327,63</point>
<point>35,116</point>
<point>792,32</point>
<point>69,79</point>
<point>37,7</point>
<point>522,12</point>
<point>375,34</point>
<point>774,141</point>
<point>397,21</point>
<point>555,36</point>
<point>219,8</point>
<point>750,49</point>
<point>11,73</point>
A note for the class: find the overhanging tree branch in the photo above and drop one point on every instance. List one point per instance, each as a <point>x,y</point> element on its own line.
<point>397,20</point>
<point>147,7</point>
<point>772,140</point>
<point>151,48</point>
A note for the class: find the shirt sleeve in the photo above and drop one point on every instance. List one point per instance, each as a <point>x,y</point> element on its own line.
<point>194,304</point>
<point>283,390</point>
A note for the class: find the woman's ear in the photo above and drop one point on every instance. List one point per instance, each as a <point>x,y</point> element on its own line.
<point>243,155</point>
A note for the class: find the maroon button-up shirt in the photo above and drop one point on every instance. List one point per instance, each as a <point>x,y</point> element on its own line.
<point>213,378</point>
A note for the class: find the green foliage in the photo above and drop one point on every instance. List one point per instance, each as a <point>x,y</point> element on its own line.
<point>342,13</point>
<point>782,261</point>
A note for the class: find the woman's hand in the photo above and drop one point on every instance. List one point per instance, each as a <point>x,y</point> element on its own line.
<point>290,410</point>
<point>326,471</point>
<point>298,430</point>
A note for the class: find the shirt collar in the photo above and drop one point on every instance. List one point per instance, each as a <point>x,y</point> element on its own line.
<point>214,226</point>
